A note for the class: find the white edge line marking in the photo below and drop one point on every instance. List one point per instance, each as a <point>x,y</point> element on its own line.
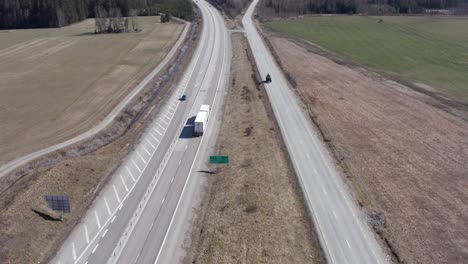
<point>73,251</point>
<point>97,219</point>
<point>139,155</point>
<point>130,172</point>
<point>86,233</point>
<point>193,68</point>
<point>113,218</point>
<point>147,152</point>
<point>190,172</point>
<point>136,166</point>
<point>157,131</point>
<point>107,206</point>
<point>123,182</point>
<point>149,142</point>
<point>154,137</point>
<point>116,193</point>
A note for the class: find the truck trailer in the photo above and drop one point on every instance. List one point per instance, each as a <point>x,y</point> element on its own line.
<point>201,120</point>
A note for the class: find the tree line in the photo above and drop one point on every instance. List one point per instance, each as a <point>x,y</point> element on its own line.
<point>59,13</point>
<point>231,7</point>
<point>297,7</point>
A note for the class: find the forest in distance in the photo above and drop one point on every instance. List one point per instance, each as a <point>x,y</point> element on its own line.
<point>59,13</point>
<point>373,7</point>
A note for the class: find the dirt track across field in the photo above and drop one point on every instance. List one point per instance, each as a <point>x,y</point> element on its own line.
<point>405,159</point>
<point>253,212</point>
<point>57,83</point>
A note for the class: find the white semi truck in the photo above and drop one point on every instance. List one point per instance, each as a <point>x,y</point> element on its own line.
<point>201,120</point>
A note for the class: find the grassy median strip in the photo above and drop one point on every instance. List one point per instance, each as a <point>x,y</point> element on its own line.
<point>254,212</point>
<point>430,50</point>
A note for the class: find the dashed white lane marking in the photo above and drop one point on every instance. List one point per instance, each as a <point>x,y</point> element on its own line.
<point>157,131</point>
<point>105,232</point>
<point>73,251</point>
<point>113,218</point>
<point>348,243</point>
<point>123,182</point>
<point>142,159</point>
<point>163,128</point>
<point>334,214</point>
<point>97,219</point>
<point>186,146</point>
<point>324,191</point>
<point>163,200</point>
<point>130,172</point>
<point>172,179</point>
<point>116,194</point>
<point>107,206</point>
<point>86,233</point>
<point>147,152</point>
<point>136,166</point>
<point>149,142</point>
<point>180,161</point>
<point>154,137</point>
<point>94,250</point>
<point>164,121</point>
<point>84,263</point>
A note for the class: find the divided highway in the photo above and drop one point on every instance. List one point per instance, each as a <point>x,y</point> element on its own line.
<point>342,229</point>
<point>133,220</point>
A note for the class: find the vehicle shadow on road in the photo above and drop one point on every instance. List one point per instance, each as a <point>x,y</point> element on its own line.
<point>187,131</point>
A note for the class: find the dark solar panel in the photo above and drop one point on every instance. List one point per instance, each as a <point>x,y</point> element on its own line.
<point>59,203</point>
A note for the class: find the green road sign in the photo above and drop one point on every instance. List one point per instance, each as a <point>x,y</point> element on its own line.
<point>219,159</point>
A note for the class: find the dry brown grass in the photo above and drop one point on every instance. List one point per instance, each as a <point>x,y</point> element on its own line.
<point>403,157</point>
<point>254,213</point>
<point>57,83</point>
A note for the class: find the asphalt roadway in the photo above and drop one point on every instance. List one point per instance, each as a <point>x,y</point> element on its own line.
<point>133,220</point>
<point>343,232</point>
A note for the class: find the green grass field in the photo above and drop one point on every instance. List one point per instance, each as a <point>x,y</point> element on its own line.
<point>431,50</point>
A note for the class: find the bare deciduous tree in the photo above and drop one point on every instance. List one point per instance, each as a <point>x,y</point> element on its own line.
<point>134,19</point>
<point>100,15</point>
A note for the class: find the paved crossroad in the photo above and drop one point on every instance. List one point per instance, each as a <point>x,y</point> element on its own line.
<point>133,219</point>
<point>342,229</point>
